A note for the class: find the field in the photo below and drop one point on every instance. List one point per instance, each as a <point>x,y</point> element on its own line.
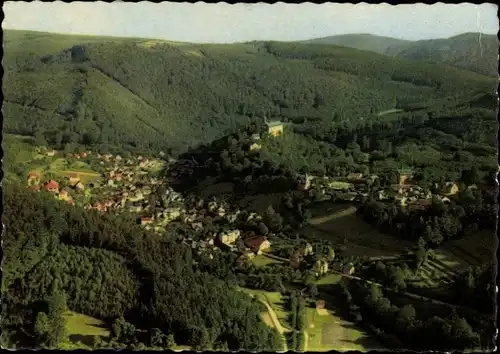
<point>329,332</point>
<point>276,301</point>
<point>340,224</point>
<point>455,257</point>
<point>262,260</point>
<point>81,330</point>
<point>21,151</point>
<point>329,279</point>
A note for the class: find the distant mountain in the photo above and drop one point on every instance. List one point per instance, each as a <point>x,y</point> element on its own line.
<point>470,51</point>
<point>361,41</point>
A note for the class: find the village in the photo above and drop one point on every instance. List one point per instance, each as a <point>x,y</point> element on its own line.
<point>132,185</point>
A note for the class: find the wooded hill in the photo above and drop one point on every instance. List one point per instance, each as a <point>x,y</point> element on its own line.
<point>470,51</point>
<point>142,94</point>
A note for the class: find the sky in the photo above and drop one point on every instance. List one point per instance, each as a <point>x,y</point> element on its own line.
<point>225,23</point>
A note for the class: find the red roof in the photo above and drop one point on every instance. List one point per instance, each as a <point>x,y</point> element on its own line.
<point>51,185</point>
<point>35,188</point>
<point>254,243</point>
<point>71,202</point>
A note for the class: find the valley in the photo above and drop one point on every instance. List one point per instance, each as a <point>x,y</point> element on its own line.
<point>258,196</point>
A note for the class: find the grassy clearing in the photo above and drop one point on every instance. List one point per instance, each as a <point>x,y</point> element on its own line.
<point>81,330</point>
<point>276,301</point>
<point>262,261</point>
<point>329,279</point>
<point>330,332</point>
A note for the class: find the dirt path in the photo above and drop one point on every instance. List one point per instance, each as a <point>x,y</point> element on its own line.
<point>324,219</point>
<point>276,322</point>
<point>93,174</point>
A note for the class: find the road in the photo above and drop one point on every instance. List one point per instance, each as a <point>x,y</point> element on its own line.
<point>276,322</point>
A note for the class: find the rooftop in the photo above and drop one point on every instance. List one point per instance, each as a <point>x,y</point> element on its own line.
<point>274,123</point>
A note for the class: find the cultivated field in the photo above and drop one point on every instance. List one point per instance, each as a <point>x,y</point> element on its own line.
<point>472,250</point>
<point>327,332</point>
<point>340,224</point>
<point>454,257</point>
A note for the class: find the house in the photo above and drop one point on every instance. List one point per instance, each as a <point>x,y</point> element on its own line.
<point>51,153</point>
<point>400,200</point>
<point>295,260</point>
<point>305,182</point>
<point>80,186</point>
<point>354,176</point>
<point>36,188</point>
<point>404,176</point>
<point>71,202</point>
<point>420,204</point>
<point>83,154</point>
<point>450,188</point>
<point>257,244</point>
<point>255,146</point>
<point>146,220</point>
<point>52,186</point>
<point>275,128</point>
<point>229,238</point>
<point>33,178</point>
<point>382,195</point>
<point>306,250</point>
<point>348,269</point>
<point>320,267</point>
<point>320,304</point>
<point>118,177</point>
<point>63,194</point>
<point>74,178</point>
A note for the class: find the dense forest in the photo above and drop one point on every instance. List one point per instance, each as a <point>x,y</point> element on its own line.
<point>142,95</point>
<point>57,257</point>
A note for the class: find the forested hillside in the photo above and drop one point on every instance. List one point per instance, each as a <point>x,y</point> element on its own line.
<point>160,95</point>
<point>470,51</point>
<point>56,256</point>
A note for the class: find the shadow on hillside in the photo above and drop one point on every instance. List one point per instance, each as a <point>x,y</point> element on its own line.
<point>366,342</point>
<point>81,338</point>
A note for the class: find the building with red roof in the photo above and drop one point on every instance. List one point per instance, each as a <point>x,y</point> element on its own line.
<point>52,186</point>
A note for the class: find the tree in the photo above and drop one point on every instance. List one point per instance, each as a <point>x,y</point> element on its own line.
<point>331,254</point>
<point>170,341</point>
<point>471,176</point>
<point>156,338</point>
<point>40,139</point>
<point>420,255</point>
<point>263,229</point>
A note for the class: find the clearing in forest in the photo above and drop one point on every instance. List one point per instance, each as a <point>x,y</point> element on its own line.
<point>82,329</point>
<point>329,332</point>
